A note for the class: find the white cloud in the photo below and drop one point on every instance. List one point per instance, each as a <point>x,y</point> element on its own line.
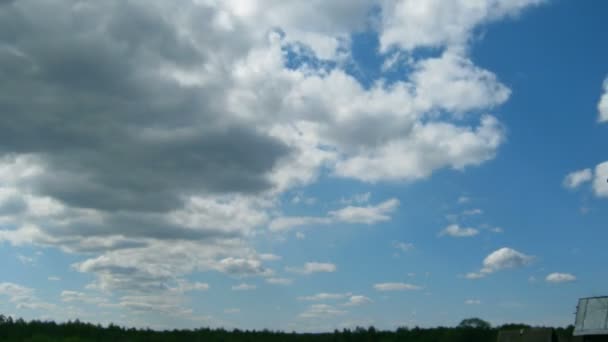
<point>269,257</point>
<point>410,24</point>
<point>26,260</point>
<point>472,302</point>
<point>87,298</point>
<point>463,199</point>
<point>232,311</point>
<point>313,267</point>
<point>300,236</point>
<point>279,281</point>
<point>322,311</point>
<point>23,297</point>
<point>574,179</point>
<point>600,183</point>
<point>357,300</point>
<point>602,106</point>
<point>357,198</point>
<point>500,259</point>
<point>370,214</point>
<point>284,223</point>
<point>403,246</point>
<point>324,296</point>
<point>560,278</point>
<point>367,214</point>
<point>53,278</point>
<point>396,287</point>
<point>168,205</point>
<point>243,287</point>
<point>455,230</point>
<point>472,212</point>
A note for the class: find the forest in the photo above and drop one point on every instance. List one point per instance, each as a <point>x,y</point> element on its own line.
<point>469,330</point>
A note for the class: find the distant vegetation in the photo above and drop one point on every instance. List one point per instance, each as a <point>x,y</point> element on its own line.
<point>469,330</point>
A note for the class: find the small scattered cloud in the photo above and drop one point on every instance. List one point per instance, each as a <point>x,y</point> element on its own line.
<point>81,297</point>
<point>396,287</point>
<point>53,278</point>
<point>243,287</point>
<point>472,212</point>
<point>322,311</point>
<point>26,260</point>
<point>324,296</point>
<point>269,257</point>
<point>357,198</point>
<point>303,199</point>
<point>279,281</point>
<point>403,246</point>
<point>500,259</point>
<point>313,267</point>
<point>472,302</point>
<point>463,199</point>
<point>366,215</point>
<point>300,236</point>
<point>357,301</point>
<point>232,311</point>
<point>496,230</point>
<point>560,278</point>
<point>575,179</point>
<point>370,214</point>
<point>455,230</point>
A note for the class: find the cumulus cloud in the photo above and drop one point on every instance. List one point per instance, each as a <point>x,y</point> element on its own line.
<point>574,179</point>
<point>369,214</point>
<point>396,287</point>
<point>472,302</point>
<point>455,230</point>
<point>243,287</point>
<point>313,267</point>
<point>156,137</point>
<point>600,183</point>
<point>410,24</point>
<point>598,178</point>
<point>500,259</point>
<point>560,278</point>
<point>357,300</point>
<point>602,106</point>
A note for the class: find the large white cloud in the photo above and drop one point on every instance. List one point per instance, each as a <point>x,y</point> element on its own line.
<point>156,137</point>
<point>602,106</point>
<point>600,183</point>
<point>433,23</point>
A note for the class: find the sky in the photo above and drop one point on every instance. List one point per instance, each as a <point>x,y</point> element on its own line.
<point>302,165</point>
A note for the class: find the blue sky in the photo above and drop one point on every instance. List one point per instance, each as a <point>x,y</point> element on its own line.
<point>275,164</point>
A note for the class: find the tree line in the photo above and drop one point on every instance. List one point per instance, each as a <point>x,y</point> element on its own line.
<point>469,330</point>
